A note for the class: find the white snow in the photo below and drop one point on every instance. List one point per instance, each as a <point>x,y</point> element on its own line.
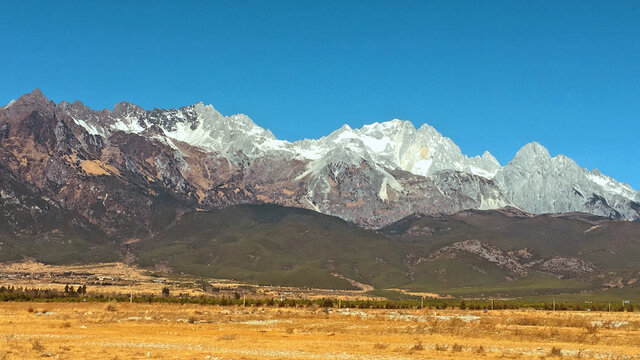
<point>482,172</point>
<point>421,167</point>
<point>376,145</point>
<point>383,190</point>
<point>610,185</point>
<point>129,124</point>
<point>533,180</point>
<point>91,129</point>
<point>9,104</point>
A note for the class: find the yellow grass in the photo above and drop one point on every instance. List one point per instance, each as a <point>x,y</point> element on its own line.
<point>173,331</point>
<point>97,167</point>
<point>119,278</point>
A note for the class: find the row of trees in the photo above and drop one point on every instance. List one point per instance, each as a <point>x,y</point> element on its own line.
<point>44,293</point>
<point>82,289</point>
<point>72,294</point>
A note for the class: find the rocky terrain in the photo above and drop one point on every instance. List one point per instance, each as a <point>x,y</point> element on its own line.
<point>131,171</point>
<point>181,189</point>
<point>517,262</point>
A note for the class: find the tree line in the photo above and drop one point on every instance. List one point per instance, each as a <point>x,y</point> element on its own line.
<point>70,293</point>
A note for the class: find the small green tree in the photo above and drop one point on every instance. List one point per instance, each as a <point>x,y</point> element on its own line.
<point>463,305</point>
<point>165,292</point>
<point>82,289</point>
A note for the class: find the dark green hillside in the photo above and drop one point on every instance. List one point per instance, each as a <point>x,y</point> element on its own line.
<point>276,245</point>
<point>611,247</point>
<point>472,253</point>
<point>608,244</point>
<point>289,246</point>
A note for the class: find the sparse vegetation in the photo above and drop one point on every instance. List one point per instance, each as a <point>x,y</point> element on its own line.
<point>555,352</point>
<point>36,345</point>
<point>188,330</point>
<point>438,347</point>
<point>34,294</point>
<point>592,329</point>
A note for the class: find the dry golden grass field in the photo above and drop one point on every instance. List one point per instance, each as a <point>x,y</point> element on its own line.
<point>173,331</point>
<point>118,278</point>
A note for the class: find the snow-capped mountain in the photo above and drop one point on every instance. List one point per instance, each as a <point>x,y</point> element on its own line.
<point>539,183</point>
<point>394,144</point>
<point>372,176</point>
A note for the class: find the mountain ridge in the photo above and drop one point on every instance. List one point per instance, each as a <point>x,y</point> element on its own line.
<point>199,158</point>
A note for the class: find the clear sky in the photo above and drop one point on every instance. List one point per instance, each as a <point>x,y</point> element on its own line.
<point>491,75</point>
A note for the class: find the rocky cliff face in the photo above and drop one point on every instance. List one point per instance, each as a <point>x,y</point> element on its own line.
<point>539,183</point>
<point>132,171</point>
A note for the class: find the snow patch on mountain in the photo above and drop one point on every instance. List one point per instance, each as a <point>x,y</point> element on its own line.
<point>394,144</point>
<point>533,180</point>
<point>9,104</point>
<point>611,185</point>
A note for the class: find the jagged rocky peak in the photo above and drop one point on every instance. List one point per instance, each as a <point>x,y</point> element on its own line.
<point>394,144</point>
<point>539,183</point>
<point>126,108</point>
<point>486,165</point>
<point>29,102</point>
<point>370,175</point>
<point>23,107</point>
<point>397,144</point>
<point>35,96</point>
<point>532,151</point>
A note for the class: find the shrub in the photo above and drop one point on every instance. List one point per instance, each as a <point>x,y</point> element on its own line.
<point>555,351</point>
<point>36,345</point>
<point>592,329</point>
<point>326,303</point>
<point>440,347</point>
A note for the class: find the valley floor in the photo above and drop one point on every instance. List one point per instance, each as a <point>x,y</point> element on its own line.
<point>173,331</point>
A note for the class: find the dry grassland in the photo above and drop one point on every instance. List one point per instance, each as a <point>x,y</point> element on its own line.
<point>173,331</point>
<point>116,278</point>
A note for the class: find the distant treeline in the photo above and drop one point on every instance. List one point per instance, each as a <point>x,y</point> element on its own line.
<point>80,295</point>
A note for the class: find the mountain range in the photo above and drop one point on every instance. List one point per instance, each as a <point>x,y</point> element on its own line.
<point>84,185</point>
<point>88,161</point>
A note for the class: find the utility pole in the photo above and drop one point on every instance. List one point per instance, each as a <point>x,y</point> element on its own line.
<point>422,303</point>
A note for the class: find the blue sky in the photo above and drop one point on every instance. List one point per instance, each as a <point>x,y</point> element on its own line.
<point>492,75</point>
